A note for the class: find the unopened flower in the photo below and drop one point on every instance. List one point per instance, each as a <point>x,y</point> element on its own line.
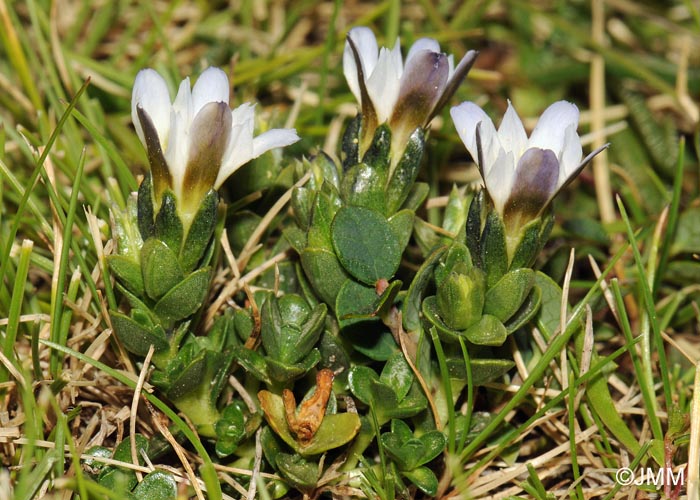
<point>522,175</point>
<point>197,141</point>
<point>404,95</point>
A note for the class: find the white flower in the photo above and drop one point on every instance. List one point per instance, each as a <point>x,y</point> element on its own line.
<point>404,95</point>
<point>196,142</point>
<point>523,175</point>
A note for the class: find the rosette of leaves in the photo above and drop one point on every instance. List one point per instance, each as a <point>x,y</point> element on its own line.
<point>482,294</point>
<point>409,453</point>
<point>289,330</point>
<point>157,485</point>
<point>354,222</point>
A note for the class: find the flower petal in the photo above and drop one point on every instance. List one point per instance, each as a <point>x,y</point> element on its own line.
<point>500,178</point>
<point>160,170</point>
<point>151,93</point>
<point>384,83</point>
<point>422,84</point>
<point>466,117</point>
<point>511,132</point>
<point>454,80</point>
<point>274,138</point>
<point>209,138</point>
<point>570,157</point>
<point>211,86</point>
<point>421,45</point>
<point>239,149</point>
<point>549,132</point>
<point>536,181</point>
<point>367,51</point>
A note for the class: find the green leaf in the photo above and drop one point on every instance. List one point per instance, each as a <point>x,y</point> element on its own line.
<point>253,362</point>
<point>128,272</point>
<point>430,312</point>
<point>184,300</point>
<point>365,244</point>
<point>527,311</point>
<point>324,272</point>
<point>507,296</point>
<point>531,242</point>
<point>377,155</point>
<point>424,479</point>
<point>355,302</point>
<point>405,172</point>
<point>160,268</point>
<point>301,473</point>
<point>412,302</point>
<point>488,331</point>
<point>397,375</point>
<point>319,235</point>
<point>157,485</point>
<point>401,224</point>
<point>335,430</point>
<point>138,338</point>
<point>146,215</point>
<point>285,373</point>
<point>363,186</point>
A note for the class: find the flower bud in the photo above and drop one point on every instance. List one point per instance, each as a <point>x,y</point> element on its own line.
<point>460,298</point>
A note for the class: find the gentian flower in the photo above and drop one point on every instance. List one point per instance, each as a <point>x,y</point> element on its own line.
<point>522,175</point>
<point>404,95</point>
<point>197,142</point>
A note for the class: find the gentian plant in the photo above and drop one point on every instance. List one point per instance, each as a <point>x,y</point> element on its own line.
<point>341,354</point>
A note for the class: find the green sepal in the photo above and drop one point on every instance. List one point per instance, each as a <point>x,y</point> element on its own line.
<point>157,485</point>
<point>488,331</point>
<point>145,208</point>
<point>335,429</point>
<point>351,142</point>
<point>406,171</point>
<point>324,272</point>
<point>168,224</point>
<point>365,244</point>
<point>455,217</point>
<point>200,233</point>
<point>473,226</point>
<point>412,302</point>
<point>160,268</point>
<point>494,255</point>
<point>363,186</point>
<point>128,272</point>
<point>138,338</point>
<point>401,224</point>
<point>378,153</point>
<point>507,296</point>
<point>185,298</point>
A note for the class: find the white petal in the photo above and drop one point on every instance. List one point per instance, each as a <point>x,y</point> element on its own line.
<point>211,86</point>
<point>511,132</point>
<point>466,117</point>
<point>549,132</point>
<point>384,84</point>
<point>570,157</point>
<point>499,180</point>
<point>239,150</point>
<point>422,44</point>
<point>274,138</point>
<point>151,93</point>
<point>350,71</point>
